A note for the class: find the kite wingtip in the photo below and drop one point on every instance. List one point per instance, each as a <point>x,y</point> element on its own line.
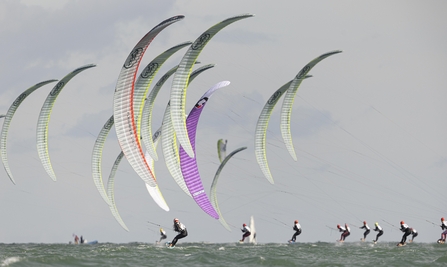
<point>190,152</point>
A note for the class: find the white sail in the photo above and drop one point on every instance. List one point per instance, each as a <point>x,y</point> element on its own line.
<point>252,237</point>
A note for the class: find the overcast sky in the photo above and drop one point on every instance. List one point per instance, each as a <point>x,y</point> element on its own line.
<point>369,127</point>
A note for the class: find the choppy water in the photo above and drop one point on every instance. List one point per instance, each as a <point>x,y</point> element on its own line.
<point>201,254</point>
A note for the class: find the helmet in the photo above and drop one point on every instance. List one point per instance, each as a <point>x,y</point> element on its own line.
<point>364,222</point>
<point>442,219</point>
<point>401,222</point>
<point>175,220</point>
<point>338,225</point>
<point>244,224</point>
<point>296,221</point>
<point>376,223</point>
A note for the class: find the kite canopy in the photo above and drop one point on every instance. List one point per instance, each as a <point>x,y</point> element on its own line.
<point>6,123</point>
<point>123,106</point>
<point>142,86</point>
<point>188,164</point>
<point>289,98</point>
<point>180,82</point>
<point>213,190</point>
<point>169,140</point>
<point>96,159</point>
<point>290,88</point>
<point>44,119</point>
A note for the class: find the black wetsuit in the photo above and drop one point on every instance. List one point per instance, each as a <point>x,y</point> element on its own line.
<point>163,236</point>
<point>181,229</point>
<point>443,227</point>
<point>346,233</point>
<point>246,233</point>
<point>367,230</point>
<point>378,228</point>
<point>297,228</point>
<point>407,231</point>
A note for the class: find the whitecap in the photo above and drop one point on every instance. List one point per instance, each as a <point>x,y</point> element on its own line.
<point>10,260</point>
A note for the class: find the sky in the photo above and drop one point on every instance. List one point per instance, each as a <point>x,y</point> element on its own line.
<point>368,128</point>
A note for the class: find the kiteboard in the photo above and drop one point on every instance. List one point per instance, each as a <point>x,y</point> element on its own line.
<point>401,245</point>
<point>440,241</point>
<point>291,242</point>
<point>168,245</point>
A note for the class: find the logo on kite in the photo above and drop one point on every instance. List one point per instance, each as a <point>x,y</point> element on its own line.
<point>156,134</point>
<point>273,98</point>
<point>149,70</point>
<point>201,102</point>
<point>57,88</point>
<point>109,123</point>
<point>19,99</point>
<point>133,58</point>
<point>198,193</point>
<point>201,41</point>
<point>303,72</point>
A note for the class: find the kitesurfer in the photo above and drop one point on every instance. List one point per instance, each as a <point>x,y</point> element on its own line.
<point>82,240</point>
<point>181,229</point>
<point>163,235</point>
<point>406,230</point>
<point>346,231</point>
<point>76,239</point>
<point>414,233</point>
<point>297,228</point>
<point>245,232</point>
<point>443,227</point>
<point>367,230</point>
<point>378,229</point>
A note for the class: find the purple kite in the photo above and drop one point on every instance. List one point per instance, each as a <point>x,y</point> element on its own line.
<point>188,165</point>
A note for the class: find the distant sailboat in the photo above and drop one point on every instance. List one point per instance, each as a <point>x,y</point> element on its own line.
<point>252,237</point>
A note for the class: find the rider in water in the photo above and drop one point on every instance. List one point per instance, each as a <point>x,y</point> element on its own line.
<point>245,232</point>
<point>443,227</point>
<point>163,235</point>
<point>407,231</point>
<point>297,228</point>
<point>181,229</point>
<point>346,231</point>
<point>378,229</point>
<point>367,230</point>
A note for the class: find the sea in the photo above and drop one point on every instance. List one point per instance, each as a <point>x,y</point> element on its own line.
<point>225,254</point>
